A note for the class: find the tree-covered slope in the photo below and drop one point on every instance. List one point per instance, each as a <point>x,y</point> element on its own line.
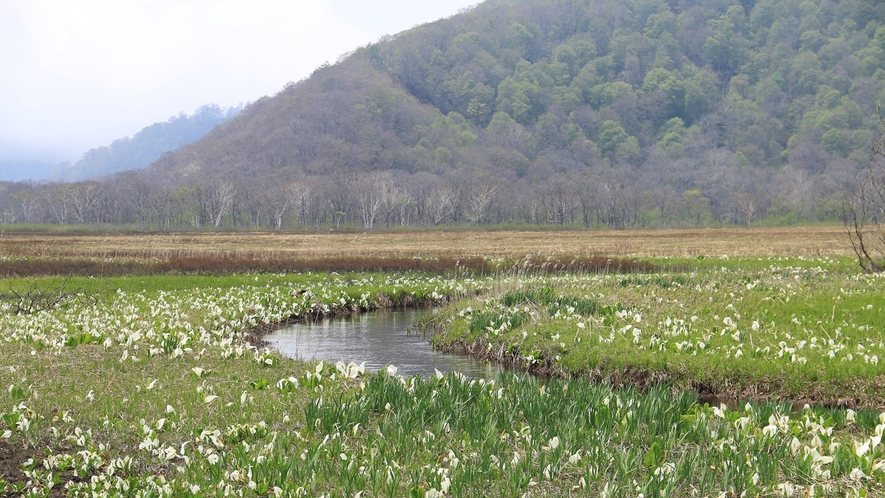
<point>593,112</point>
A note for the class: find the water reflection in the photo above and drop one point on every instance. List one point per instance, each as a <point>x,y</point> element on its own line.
<point>379,338</point>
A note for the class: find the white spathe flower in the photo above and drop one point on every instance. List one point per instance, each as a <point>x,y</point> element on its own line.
<point>861,449</point>
<point>391,370</point>
<point>795,445</point>
<point>210,398</point>
<point>817,458</point>
<point>554,443</point>
<point>169,453</point>
<point>856,474</point>
<point>786,488</point>
<point>445,484</point>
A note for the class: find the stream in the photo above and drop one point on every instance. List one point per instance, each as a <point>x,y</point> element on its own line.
<point>378,338</point>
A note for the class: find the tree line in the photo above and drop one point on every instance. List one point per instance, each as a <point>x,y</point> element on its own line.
<point>628,113</point>
<point>601,197</point>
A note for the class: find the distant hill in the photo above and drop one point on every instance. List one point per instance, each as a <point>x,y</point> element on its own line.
<point>621,113</point>
<point>144,147</point>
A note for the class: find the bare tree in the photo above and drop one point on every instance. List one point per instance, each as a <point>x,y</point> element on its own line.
<point>26,202</point>
<point>301,194</point>
<point>479,200</point>
<point>864,210</point>
<point>373,192</point>
<point>222,195</point>
<point>58,200</point>
<point>440,204</point>
<point>84,197</point>
<point>278,196</point>
<point>746,207</point>
<point>214,199</point>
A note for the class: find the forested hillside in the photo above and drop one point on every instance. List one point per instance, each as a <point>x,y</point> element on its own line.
<point>627,113</point>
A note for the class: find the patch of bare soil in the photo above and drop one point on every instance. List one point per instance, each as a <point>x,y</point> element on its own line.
<point>12,457</point>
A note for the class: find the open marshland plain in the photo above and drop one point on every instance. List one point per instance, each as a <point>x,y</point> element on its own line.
<point>795,241</point>
<point>715,363</point>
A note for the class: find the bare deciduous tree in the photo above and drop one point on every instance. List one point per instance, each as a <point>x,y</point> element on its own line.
<point>480,197</point>
<point>864,210</point>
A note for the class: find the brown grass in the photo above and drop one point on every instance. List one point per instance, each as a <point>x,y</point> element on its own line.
<point>457,245</point>
<point>112,254</point>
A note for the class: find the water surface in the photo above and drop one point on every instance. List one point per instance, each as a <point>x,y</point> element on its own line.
<point>379,338</point>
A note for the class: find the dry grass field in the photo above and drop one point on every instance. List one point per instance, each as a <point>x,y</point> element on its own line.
<point>794,241</point>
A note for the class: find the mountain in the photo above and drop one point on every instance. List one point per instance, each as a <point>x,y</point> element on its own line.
<point>577,112</point>
<point>144,147</point>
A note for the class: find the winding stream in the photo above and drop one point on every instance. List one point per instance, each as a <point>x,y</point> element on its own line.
<point>379,339</point>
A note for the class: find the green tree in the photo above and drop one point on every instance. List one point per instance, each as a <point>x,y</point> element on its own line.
<point>805,71</point>
<point>671,84</point>
<point>521,100</point>
<point>603,95</point>
<point>611,135</point>
<point>836,141</point>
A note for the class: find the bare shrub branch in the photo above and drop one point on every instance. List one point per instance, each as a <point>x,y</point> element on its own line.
<point>864,210</point>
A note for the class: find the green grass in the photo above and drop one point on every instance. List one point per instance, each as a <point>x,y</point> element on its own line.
<point>784,329</point>
<point>152,389</point>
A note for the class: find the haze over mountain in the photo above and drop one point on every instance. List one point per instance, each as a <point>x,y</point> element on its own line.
<point>20,162</point>
<point>123,154</point>
<point>587,112</point>
<point>146,146</point>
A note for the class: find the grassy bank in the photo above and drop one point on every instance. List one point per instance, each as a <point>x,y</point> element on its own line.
<point>803,330</point>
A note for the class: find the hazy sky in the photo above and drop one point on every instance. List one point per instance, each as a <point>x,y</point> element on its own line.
<point>79,74</point>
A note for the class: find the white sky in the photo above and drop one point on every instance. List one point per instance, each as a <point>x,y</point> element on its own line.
<point>79,74</point>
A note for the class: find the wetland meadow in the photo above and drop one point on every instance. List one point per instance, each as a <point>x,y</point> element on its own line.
<point>720,363</point>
